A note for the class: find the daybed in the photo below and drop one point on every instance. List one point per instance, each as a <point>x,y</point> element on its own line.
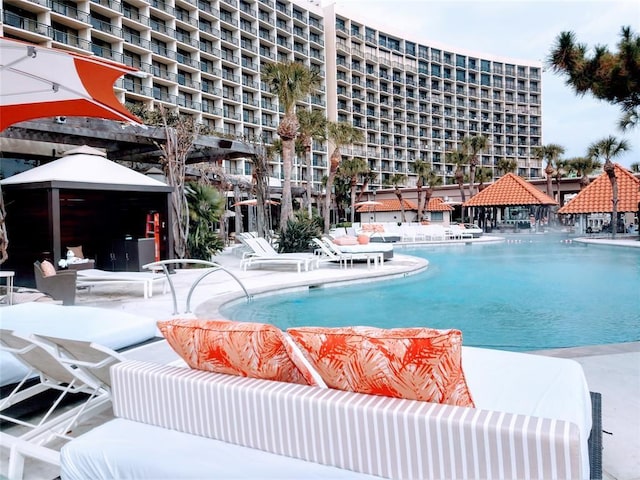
<point>532,418</point>
<point>111,328</point>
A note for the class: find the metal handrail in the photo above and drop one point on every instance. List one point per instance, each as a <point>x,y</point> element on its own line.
<point>190,261</point>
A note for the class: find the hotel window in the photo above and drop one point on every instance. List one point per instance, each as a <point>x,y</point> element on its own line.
<point>485,80</point>
<point>423,52</point>
<point>460,75</point>
<point>461,61</point>
<point>435,70</point>
<point>410,48</point>
<point>485,65</point>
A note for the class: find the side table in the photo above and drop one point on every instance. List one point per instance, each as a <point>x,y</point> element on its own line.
<point>8,275</point>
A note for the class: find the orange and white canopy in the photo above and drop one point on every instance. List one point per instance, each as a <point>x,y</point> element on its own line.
<point>38,82</point>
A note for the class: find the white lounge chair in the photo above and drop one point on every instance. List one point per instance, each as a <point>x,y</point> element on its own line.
<point>329,255</point>
<point>59,372</point>
<point>376,257</point>
<point>93,276</point>
<point>263,253</point>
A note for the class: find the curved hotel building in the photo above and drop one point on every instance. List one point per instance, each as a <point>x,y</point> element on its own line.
<point>411,98</point>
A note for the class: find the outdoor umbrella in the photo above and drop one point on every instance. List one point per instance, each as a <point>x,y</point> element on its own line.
<point>38,82</point>
<point>253,202</point>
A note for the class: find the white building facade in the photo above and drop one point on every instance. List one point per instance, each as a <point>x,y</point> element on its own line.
<point>412,100</point>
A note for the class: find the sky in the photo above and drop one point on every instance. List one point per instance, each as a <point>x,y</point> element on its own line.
<point>523,30</point>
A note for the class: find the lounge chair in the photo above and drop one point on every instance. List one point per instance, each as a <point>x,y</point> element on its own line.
<point>327,254</point>
<point>92,277</point>
<point>262,253</point>
<point>370,256</point>
<point>59,370</point>
<point>61,286</point>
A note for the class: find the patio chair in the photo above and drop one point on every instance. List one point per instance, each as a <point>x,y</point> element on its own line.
<point>263,253</point>
<point>63,374</point>
<point>61,286</point>
<point>376,257</point>
<point>330,255</point>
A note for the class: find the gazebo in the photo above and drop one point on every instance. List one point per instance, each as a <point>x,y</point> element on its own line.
<point>592,206</point>
<point>514,203</point>
<point>439,210</point>
<point>84,199</point>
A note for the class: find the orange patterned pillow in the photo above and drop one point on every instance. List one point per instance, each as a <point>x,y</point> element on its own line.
<point>414,363</point>
<point>237,348</point>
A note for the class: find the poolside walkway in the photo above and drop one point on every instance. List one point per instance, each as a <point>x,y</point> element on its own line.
<point>612,370</point>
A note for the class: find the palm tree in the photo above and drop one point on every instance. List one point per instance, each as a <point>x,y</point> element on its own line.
<point>550,153</point>
<point>472,146</point>
<point>635,167</point>
<point>483,175</point>
<point>313,126</point>
<point>339,134</point>
<point>290,82</point>
<point>609,76</point>
<point>432,180</point>
<point>506,165</point>
<point>398,180</point>
<point>583,166</point>
<point>422,169</point>
<point>368,177</point>
<point>460,159</point>
<point>351,169</point>
<point>609,148</point>
<point>563,168</point>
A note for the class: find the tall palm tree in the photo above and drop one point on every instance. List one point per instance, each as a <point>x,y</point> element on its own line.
<point>398,180</point>
<point>460,160</point>
<point>506,165</point>
<point>635,167</point>
<point>339,134</point>
<point>551,153</point>
<point>313,126</point>
<point>368,177</point>
<point>290,82</point>
<point>583,166</point>
<point>563,168</point>
<point>432,180</point>
<point>483,175</point>
<point>609,148</point>
<point>422,169</point>
<point>351,169</point>
<point>472,146</point>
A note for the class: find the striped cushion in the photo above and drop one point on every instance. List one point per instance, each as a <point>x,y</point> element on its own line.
<point>247,349</point>
<point>414,363</point>
<point>388,437</point>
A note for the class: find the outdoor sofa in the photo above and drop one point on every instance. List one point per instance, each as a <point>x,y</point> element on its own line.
<point>532,419</point>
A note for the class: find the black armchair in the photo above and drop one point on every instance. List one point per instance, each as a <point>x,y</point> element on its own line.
<point>61,286</point>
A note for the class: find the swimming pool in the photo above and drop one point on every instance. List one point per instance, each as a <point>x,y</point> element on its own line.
<point>541,293</point>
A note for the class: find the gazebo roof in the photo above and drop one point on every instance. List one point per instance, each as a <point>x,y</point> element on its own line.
<point>388,205</point>
<point>437,204</point>
<point>510,190</point>
<point>85,167</point>
<point>597,196</point>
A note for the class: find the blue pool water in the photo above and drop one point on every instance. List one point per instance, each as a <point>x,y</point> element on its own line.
<point>538,294</point>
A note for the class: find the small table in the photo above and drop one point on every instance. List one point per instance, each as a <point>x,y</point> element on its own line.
<point>8,275</point>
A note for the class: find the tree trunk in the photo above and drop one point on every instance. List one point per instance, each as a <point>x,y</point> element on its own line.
<point>399,195</point>
<point>548,172</point>
<point>610,170</point>
<point>353,184</point>
<point>419,188</point>
<point>307,153</point>
<point>4,238</point>
<point>286,204</point>
<point>336,156</point>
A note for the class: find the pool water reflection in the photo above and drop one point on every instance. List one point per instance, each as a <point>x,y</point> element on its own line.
<point>541,293</point>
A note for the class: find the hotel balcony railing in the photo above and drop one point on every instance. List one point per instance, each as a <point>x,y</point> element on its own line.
<point>135,15</point>
<point>112,4</point>
<point>315,23</point>
<point>70,12</point>
<point>161,5</point>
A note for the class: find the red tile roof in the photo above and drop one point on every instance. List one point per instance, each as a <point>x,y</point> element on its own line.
<point>388,205</point>
<point>436,204</point>
<point>510,190</point>
<point>597,196</point>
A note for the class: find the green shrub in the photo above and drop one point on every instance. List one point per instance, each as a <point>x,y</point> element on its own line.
<point>299,232</point>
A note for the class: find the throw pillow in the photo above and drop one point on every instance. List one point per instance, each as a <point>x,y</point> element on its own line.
<point>363,239</point>
<point>345,240</point>
<point>236,348</point>
<point>414,363</point>
<point>76,251</point>
<point>47,268</point>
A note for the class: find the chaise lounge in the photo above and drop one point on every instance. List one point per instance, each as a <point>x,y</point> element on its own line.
<point>532,418</point>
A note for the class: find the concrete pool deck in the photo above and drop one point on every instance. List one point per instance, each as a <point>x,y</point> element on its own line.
<point>612,370</point>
